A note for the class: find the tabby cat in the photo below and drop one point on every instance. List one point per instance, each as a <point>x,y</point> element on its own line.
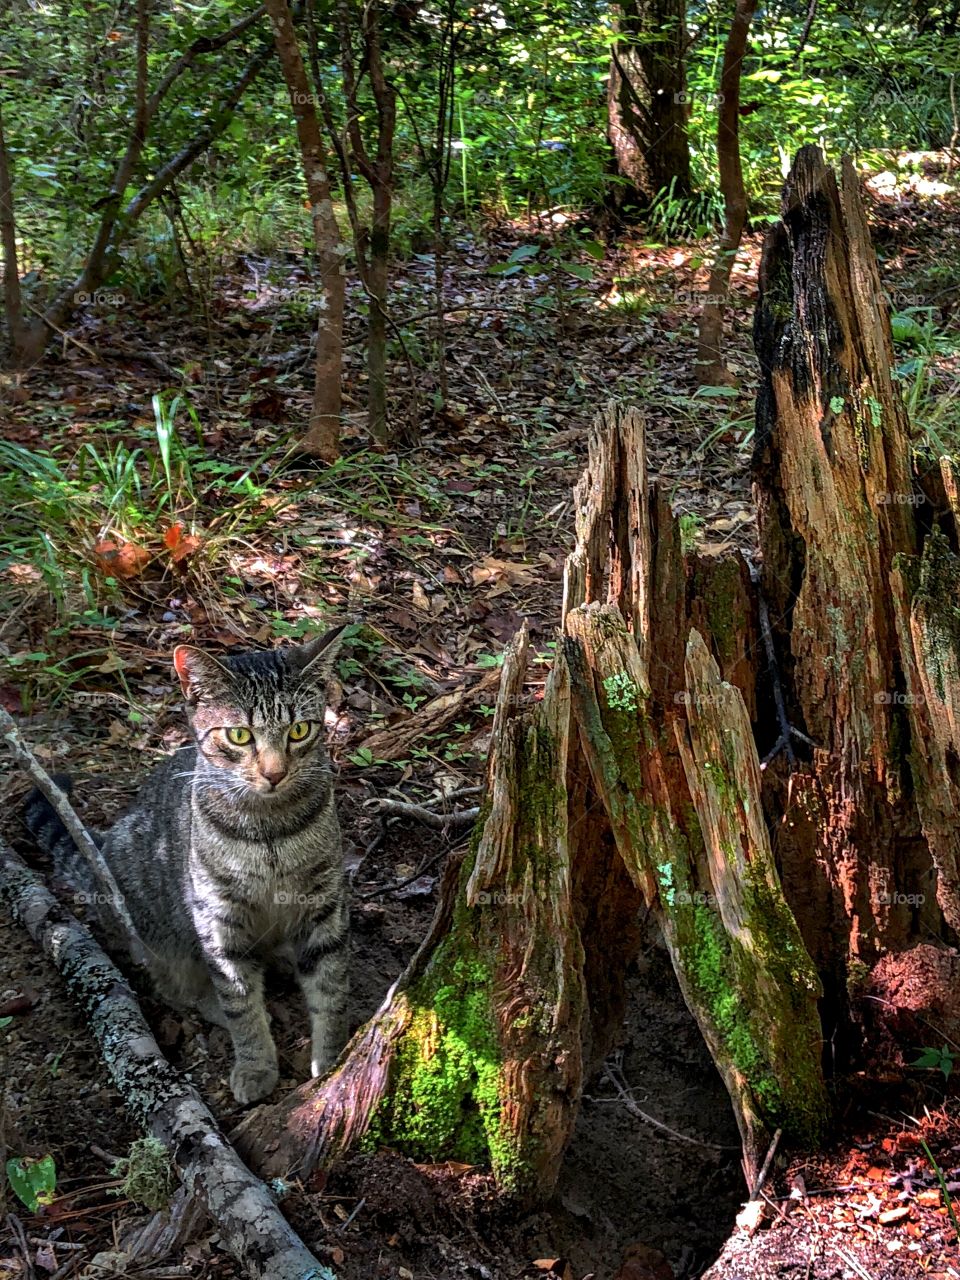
<point>230,858</point>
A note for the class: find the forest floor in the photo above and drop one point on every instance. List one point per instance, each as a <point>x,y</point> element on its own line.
<point>440,549</point>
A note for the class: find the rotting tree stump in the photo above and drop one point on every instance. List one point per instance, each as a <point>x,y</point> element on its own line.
<point>859,572</point>
<point>638,778</point>
<point>479,1051</point>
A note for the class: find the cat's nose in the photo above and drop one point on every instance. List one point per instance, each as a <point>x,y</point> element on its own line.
<point>273,769</point>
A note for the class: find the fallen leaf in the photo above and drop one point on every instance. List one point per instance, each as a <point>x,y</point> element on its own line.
<point>120,559</point>
<point>503,573</point>
<point>422,887</point>
<point>890,1216</point>
<point>750,1216</point>
<point>19,1003</point>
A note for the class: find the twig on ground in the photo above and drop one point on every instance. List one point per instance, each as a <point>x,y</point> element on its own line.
<point>251,1228</point>
<point>16,1230</point>
<point>439,821</point>
<point>765,1169</point>
<point>114,900</point>
<point>402,884</point>
<point>610,1073</point>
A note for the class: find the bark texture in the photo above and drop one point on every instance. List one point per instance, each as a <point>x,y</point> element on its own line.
<point>322,438</point>
<point>710,367</point>
<point>647,101</point>
<point>858,589</point>
<point>251,1228</point>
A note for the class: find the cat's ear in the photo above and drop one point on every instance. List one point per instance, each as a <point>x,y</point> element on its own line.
<point>199,673</point>
<point>315,659</point>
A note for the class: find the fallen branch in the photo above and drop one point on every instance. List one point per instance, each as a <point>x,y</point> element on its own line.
<point>251,1227</point>
<point>114,900</point>
<point>439,821</point>
<point>395,741</point>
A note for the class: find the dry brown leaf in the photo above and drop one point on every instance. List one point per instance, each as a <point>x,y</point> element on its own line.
<point>120,559</point>
<point>504,573</point>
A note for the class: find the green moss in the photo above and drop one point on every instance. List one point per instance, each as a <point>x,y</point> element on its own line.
<point>731,982</point>
<point>148,1174</point>
<point>445,1095</point>
<point>621,691</point>
<point>446,1089</point>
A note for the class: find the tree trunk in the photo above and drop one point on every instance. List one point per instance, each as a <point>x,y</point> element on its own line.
<point>859,589</point>
<point>647,101</point>
<point>322,439</point>
<point>17,330</point>
<point>378,173</point>
<point>711,370</point>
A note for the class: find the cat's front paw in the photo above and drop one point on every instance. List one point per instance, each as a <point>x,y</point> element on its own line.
<point>251,1083</point>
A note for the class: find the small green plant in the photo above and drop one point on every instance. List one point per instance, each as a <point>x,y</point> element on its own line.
<point>621,691</point>
<point>934,1059</point>
<point>147,1173</point>
<point>364,758</point>
<point>675,217</point>
<point>33,1181</point>
<point>691,526</point>
<point>945,1191</point>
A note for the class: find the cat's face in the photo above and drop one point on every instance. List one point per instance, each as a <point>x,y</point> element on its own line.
<point>260,716</point>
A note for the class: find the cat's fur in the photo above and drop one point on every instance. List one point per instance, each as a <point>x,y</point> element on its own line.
<point>231,857</point>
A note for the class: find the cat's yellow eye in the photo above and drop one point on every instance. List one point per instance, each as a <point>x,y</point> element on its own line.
<point>240,737</point>
<point>299,731</point>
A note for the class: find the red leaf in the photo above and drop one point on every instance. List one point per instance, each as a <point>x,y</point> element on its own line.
<point>188,545</point>
<point>121,559</point>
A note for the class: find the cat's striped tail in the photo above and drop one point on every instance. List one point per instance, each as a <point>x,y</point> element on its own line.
<point>46,827</point>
